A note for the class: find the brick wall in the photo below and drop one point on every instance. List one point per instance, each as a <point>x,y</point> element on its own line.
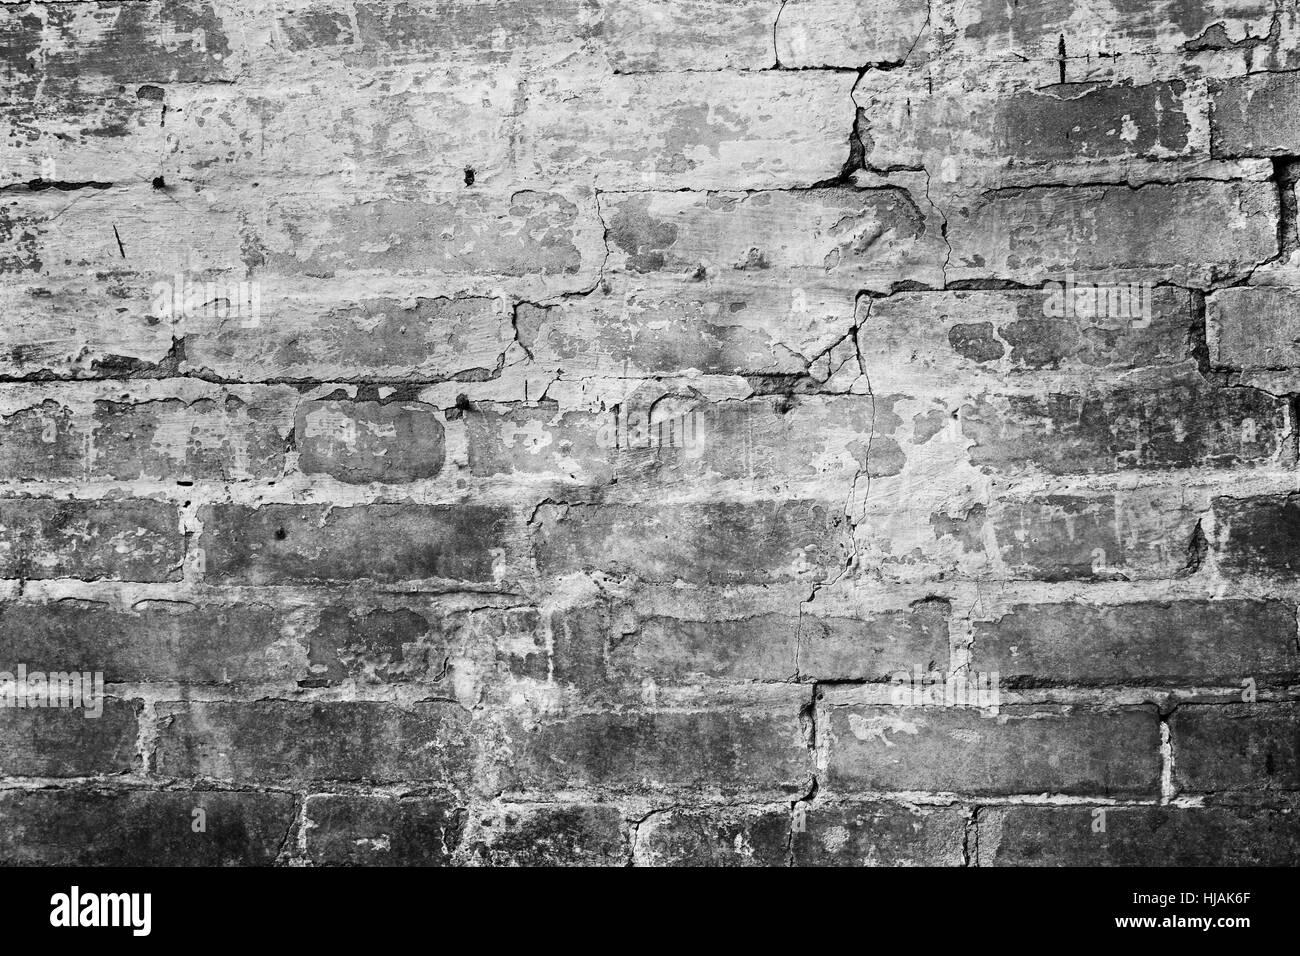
<point>543,431</point>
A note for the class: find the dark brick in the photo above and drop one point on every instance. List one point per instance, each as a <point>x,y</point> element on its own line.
<point>278,544</point>
<point>268,741</point>
<point>359,442</point>
<point>143,828</point>
<point>346,830</point>
<point>879,834</point>
<point>68,742</point>
<point>1236,747</point>
<point>121,540</point>
<point>553,835</point>
<point>1136,836</point>
<point>1021,750</point>
<point>703,543</point>
<point>715,837</point>
<point>1146,640</point>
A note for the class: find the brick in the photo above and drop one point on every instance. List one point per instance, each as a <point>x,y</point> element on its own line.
<point>1138,535</point>
<point>1256,535</point>
<point>703,130</point>
<point>153,640</point>
<point>75,328</point>
<point>285,741</point>
<point>123,540</point>
<point>1179,424</point>
<point>327,332</point>
<point>1021,750</point>
<point>688,35</point>
<point>704,543</point>
<point>1065,124</point>
<point>730,837</point>
<point>1253,328</point>
<point>90,432</point>
<point>348,131</point>
<point>597,647</point>
<point>69,742</point>
<point>277,544</point>
<point>873,238</point>
<point>671,438</point>
<point>380,644</point>
<point>548,835</point>
<point>143,828</point>
<point>359,442</point>
<point>753,748</point>
<point>1155,232</point>
<point>914,338</point>
<point>1251,115</point>
<point>879,834</point>
<point>1136,836</point>
<point>732,326</point>
<point>872,645</point>
<point>989,27</point>
<point>848,33</point>
<point>1236,747</point>
<point>348,830</point>
<point>1185,641</point>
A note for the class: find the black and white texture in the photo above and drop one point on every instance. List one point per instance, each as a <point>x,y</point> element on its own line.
<point>561,432</point>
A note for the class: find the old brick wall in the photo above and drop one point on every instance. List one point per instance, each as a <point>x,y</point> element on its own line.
<point>330,333</point>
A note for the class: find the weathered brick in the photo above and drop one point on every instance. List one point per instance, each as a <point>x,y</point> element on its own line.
<point>1254,328</point>
<point>358,442</point>
<point>125,540</point>
<point>266,741</point>
<point>1156,232</point>
<point>1133,535</point>
<point>348,830</point>
<point>143,828</point>
<point>667,437</point>
<point>1257,535</point>
<point>722,837</point>
<point>1236,747</point>
<point>1136,836</point>
<point>161,640</point>
<point>68,742</point>
<point>1145,640</point>
<point>750,746</point>
<point>1061,124</point>
<point>737,543</point>
<point>914,338</point>
<point>1020,750</point>
<point>640,326</point>
<point>547,835</point>
<point>878,834</point>
<point>1253,116</point>
<point>1180,424</point>
<point>874,238</point>
<point>599,647</point>
<point>277,544</point>
<point>706,130</point>
<point>331,333</point>
<point>872,645</point>
<point>849,33</point>
<point>990,27</point>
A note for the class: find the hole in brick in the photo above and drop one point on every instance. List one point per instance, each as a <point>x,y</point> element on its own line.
<point>280,534</point>
<point>159,183</point>
<point>469,176</point>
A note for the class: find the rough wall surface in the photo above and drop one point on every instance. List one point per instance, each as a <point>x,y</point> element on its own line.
<point>542,431</point>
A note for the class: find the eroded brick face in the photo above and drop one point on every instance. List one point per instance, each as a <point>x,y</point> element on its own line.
<point>649,433</point>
